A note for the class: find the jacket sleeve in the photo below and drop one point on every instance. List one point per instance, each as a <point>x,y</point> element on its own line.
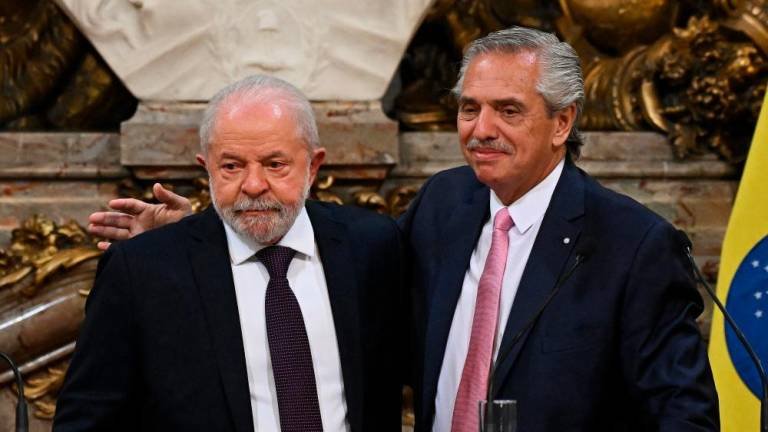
<point>101,379</point>
<point>664,358</point>
<point>412,301</point>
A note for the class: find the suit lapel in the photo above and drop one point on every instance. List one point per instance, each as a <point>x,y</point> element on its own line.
<point>459,237</point>
<point>209,257</point>
<point>546,263</point>
<point>336,255</point>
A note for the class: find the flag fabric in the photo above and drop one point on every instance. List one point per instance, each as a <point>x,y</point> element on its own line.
<point>743,284</point>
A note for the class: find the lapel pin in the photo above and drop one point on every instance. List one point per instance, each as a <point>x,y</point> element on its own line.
<point>566,240</point>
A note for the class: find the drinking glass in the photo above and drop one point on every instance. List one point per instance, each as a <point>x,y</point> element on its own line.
<point>498,416</point>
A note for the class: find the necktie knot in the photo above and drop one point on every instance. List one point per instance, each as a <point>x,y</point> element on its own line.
<point>276,259</point>
<point>503,221</point>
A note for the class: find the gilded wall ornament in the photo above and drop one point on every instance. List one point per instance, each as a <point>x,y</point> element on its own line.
<point>45,275</point>
<point>42,248</point>
<point>42,388</point>
<point>693,70</point>
<point>52,77</point>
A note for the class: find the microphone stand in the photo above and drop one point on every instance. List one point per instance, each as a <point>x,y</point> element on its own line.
<point>582,253</point>
<point>737,331</point>
<point>22,418</point>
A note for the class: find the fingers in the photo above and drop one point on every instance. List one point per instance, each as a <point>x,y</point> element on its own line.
<point>103,245</point>
<point>172,200</point>
<point>109,232</point>
<point>112,219</point>
<point>130,206</point>
<point>110,225</point>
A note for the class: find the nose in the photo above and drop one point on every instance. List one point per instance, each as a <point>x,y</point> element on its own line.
<point>485,127</point>
<point>255,182</point>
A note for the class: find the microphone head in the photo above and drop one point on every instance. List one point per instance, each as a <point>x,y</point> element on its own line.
<point>586,246</point>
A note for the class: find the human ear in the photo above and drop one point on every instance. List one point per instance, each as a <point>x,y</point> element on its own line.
<point>316,158</point>
<point>564,122</point>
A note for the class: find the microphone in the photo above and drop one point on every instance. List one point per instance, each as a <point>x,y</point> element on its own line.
<point>584,249</point>
<point>687,246</point>
<point>22,419</point>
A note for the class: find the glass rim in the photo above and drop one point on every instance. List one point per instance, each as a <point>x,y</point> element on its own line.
<point>501,402</point>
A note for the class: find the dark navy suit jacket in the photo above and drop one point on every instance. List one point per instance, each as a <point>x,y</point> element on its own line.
<point>618,348</point>
<point>161,347</point>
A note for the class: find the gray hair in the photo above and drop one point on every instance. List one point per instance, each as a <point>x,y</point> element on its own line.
<point>262,88</point>
<point>560,84</point>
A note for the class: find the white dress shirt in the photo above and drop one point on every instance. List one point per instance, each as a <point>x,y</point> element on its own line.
<point>307,280</point>
<point>527,213</point>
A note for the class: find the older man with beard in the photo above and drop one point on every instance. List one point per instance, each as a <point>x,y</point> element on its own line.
<point>266,312</point>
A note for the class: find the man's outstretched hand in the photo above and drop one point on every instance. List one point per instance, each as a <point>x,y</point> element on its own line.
<point>132,217</point>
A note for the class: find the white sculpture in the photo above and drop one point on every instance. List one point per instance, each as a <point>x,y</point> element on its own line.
<point>174,50</point>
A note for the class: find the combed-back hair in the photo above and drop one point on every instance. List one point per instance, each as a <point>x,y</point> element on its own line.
<point>561,82</point>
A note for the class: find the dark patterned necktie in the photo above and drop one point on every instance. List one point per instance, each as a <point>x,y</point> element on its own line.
<point>289,347</point>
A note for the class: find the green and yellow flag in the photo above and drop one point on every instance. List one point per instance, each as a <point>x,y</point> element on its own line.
<point>743,285</point>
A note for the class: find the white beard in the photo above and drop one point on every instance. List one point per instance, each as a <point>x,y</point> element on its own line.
<point>263,229</point>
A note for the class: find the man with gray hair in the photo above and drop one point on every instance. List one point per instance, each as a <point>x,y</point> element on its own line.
<point>538,284</point>
<point>265,312</point>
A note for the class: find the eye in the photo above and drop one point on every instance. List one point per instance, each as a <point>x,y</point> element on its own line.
<point>468,111</point>
<point>509,111</point>
<point>229,166</point>
<point>275,164</point>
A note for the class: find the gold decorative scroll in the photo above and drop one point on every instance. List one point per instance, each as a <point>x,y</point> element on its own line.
<point>52,78</point>
<point>43,248</point>
<point>693,70</point>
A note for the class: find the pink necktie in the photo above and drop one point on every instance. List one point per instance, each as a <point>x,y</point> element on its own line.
<point>474,377</point>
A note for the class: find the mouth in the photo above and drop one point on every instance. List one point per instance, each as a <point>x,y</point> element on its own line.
<point>487,154</point>
<point>255,212</point>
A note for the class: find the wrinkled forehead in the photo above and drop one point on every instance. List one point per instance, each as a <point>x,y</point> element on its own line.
<point>501,75</point>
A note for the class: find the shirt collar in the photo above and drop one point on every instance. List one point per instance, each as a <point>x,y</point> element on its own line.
<point>530,208</point>
<point>300,237</point>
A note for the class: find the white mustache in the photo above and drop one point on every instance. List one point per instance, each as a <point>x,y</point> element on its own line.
<point>496,144</point>
<point>256,204</point>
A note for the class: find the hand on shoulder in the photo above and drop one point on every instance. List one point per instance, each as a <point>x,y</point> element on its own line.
<point>131,217</point>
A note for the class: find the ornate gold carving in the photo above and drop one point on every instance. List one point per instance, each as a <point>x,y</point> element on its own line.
<point>616,26</point>
<point>43,387</point>
<point>750,17</point>
<point>711,86</point>
<point>371,201</point>
<point>529,13</point>
<point>399,198</point>
<point>321,190</point>
<point>429,67</point>
<point>611,88</point>
<point>52,78</point>
<point>702,84</point>
<point>201,198</point>
<point>38,45</point>
<point>42,247</point>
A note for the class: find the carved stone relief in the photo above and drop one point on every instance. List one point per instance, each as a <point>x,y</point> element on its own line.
<point>163,51</point>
